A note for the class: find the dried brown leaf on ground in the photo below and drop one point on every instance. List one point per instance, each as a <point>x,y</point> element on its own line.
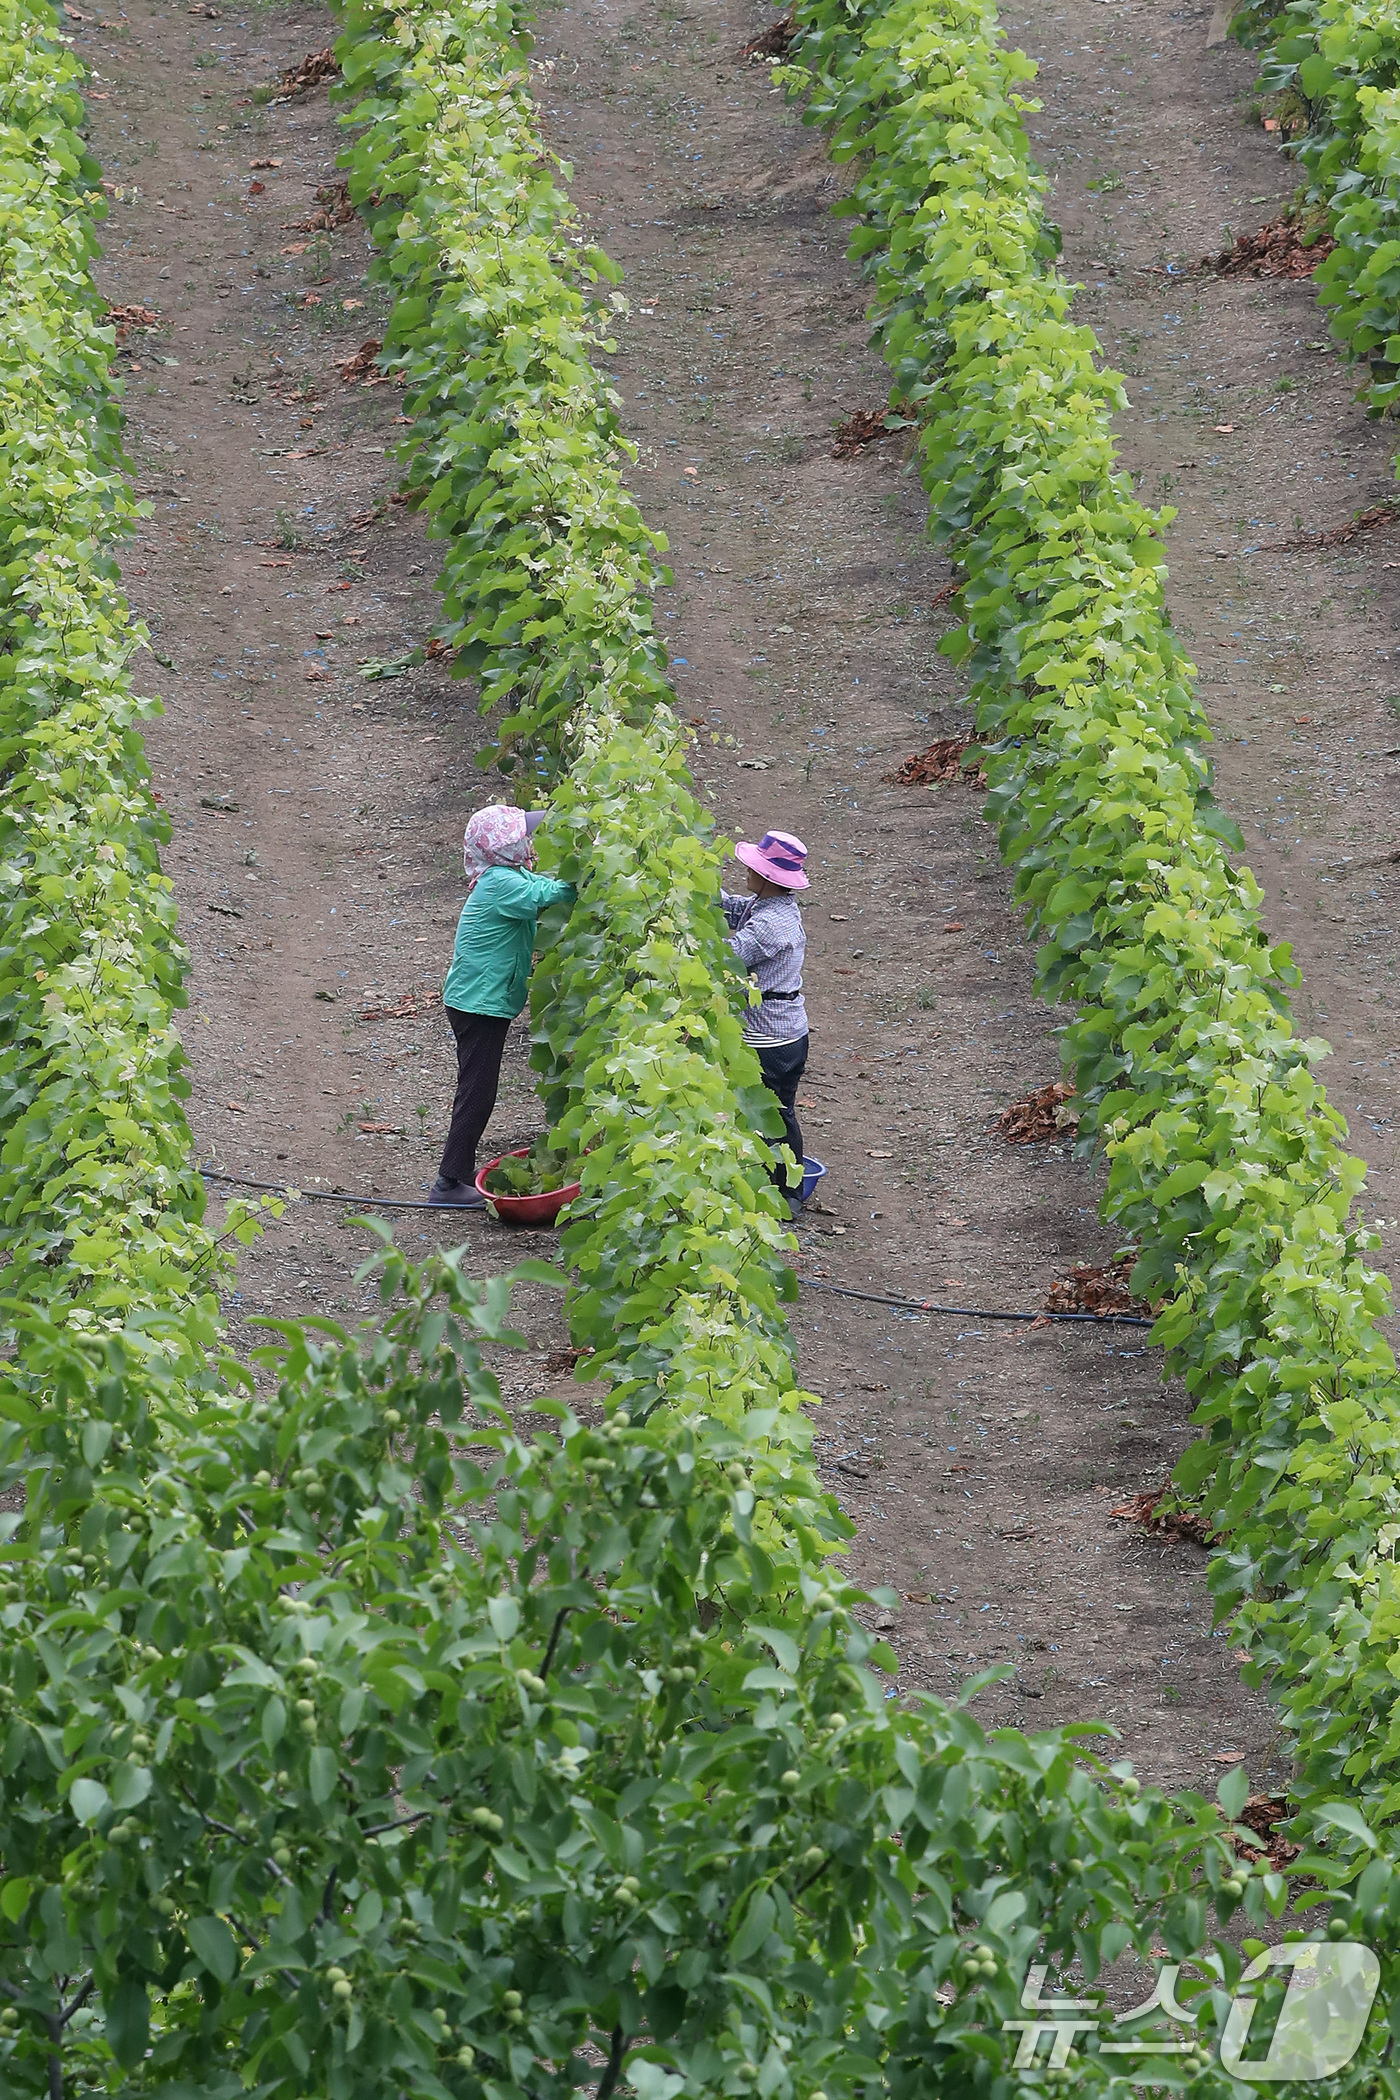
<point>1339,535</point>
<point>1271,251</point>
<point>335,210</point>
<point>308,73</point>
<point>774,41</point>
<point>1173,1524</point>
<point>125,318</point>
<point>362,366</point>
<point>409,1003</point>
<point>1262,1813</point>
<point>939,761</point>
<point>1092,1289</point>
<point>1040,1117</point>
<point>866,427</point>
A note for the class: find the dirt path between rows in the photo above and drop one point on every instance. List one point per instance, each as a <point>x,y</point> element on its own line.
<point>981,1462</point>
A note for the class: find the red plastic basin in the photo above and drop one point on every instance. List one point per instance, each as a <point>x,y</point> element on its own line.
<point>526,1210</point>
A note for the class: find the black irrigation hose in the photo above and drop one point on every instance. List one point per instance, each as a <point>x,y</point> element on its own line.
<point>972,1312</point>
<point>282,1188</point>
<point>918,1305</point>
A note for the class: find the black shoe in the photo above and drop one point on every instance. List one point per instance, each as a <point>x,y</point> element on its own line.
<point>456,1195</point>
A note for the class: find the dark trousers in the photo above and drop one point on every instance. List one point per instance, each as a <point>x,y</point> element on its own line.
<point>481,1042</point>
<point>782,1066</point>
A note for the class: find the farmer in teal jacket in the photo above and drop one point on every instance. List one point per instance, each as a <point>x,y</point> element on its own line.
<point>489,980</point>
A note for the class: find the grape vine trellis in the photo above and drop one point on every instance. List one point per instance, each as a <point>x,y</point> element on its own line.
<point>352,1743</point>
<point>1225,1158</point>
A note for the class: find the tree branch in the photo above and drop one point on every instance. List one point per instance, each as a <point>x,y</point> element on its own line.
<point>210,1822</point>
<point>77,2003</point>
<point>55,2061</point>
<point>805,1885</point>
<point>557,1629</point>
<point>403,1823</point>
<point>614,2066</point>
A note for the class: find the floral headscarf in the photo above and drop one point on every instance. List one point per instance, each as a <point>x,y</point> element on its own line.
<point>496,837</point>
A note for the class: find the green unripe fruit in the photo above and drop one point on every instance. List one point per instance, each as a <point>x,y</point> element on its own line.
<point>988,1967</point>
<point>812,1857</point>
<point>343,1991</point>
<point>466,2058</point>
<point>335,1975</point>
<point>282,1857</point>
<point>824,1601</point>
<point>392,1417</point>
<point>1075,1865</point>
<point>511,1999</point>
<point>305,1707</point>
<point>789,1779</point>
<point>1338,1928</point>
<point>262,1480</point>
<point>1131,1787</point>
<point>515,2018</point>
<point>735,1474</point>
<point>835,1721</point>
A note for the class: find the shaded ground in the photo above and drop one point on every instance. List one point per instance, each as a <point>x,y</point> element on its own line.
<point>981,1462</point>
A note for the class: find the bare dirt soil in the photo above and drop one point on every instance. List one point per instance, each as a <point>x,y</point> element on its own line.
<point>317,811</point>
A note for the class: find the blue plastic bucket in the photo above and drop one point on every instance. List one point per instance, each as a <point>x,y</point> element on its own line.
<point>812,1172</point>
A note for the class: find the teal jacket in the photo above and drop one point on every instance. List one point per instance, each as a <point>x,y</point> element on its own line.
<point>490,971</point>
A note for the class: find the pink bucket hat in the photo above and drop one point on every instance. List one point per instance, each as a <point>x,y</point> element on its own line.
<point>778,856</point>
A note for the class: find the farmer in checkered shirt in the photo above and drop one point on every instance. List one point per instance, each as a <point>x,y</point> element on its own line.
<point>767,935</point>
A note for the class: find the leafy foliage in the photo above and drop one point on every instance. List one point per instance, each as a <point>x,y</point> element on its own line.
<point>544,1165</point>
<point>355,1742</point>
<point>1341,59</point>
<point>1225,1158</point>
<point>99,1209</point>
<point>516,456</point>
